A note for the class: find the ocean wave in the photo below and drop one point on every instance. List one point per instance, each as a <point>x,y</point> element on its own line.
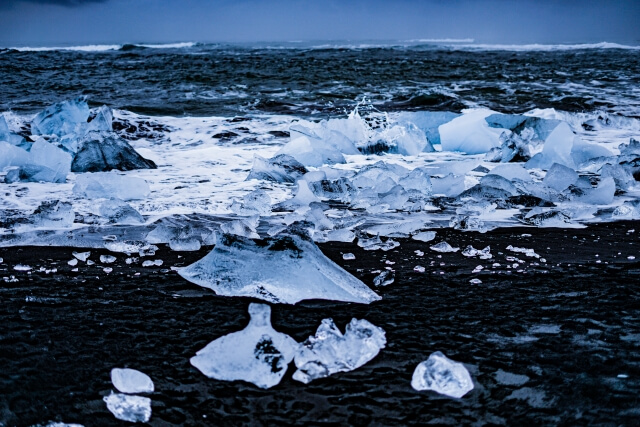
<point>543,47</point>
<point>104,47</point>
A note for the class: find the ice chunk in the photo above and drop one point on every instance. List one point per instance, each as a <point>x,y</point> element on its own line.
<point>376,243</point>
<point>118,212</point>
<point>601,195</point>
<point>428,122</point>
<point>470,133</point>
<point>129,408</point>
<point>528,252</point>
<point>556,149</point>
<point>329,351</point>
<point>281,168</point>
<point>628,210</point>
<point>385,278</point>
<point>630,149</point>
<point>442,375</point>
<point>111,184</point>
<point>287,268</point>
<point>53,214</point>
<point>102,121</point>
<point>396,229</point>
<point>131,381</point>
<point>341,235</point>
<point>418,179</point>
<point>257,354</point>
<point>258,202</point>
<point>11,155</point>
<point>560,177</point>
<point>109,259</point>
<point>542,217</point>
<point>424,236</point>
<point>444,247</point>
<point>105,151</point>
<point>347,257</point>
<point>470,251</point>
<point>512,171</point>
<point>61,118</point>
<point>7,136</point>
<point>499,182</point>
<point>450,185</point>
<point>341,189</point>
<point>82,256</point>
<point>45,162</point>
<point>623,178</point>
<point>311,150</point>
<point>582,152</point>
<point>303,197</point>
<point>240,228</point>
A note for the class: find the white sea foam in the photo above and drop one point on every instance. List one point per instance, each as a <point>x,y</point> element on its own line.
<point>84,48</point>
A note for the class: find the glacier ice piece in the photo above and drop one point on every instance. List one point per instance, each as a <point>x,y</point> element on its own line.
<point>444,247</point>
<point>560,177</point>
<point>44,162</point>
<point>470,251</point>
<point>542,217</point>
<point>311,150</point>
<point>53,214</point>
<point>302,197</point>
<point>341,189</point>
<point>62,118</point>
<point>396,229</point>
<point>7,136</point>
<point>119,212</point>
<point>240,228</point>
<point>284,269</point>
<point>512,171</point>
<point>428,122</point>
<point>385,278</point>
<point>129,408</point>
<point>131,381</point>
<point>102,120</point>
<point>628,210</point>
<point>109,259</point>
<point>442,375</point>
<point>450,185</point>
<point>526,251</point>
<point>10,155</point>
<point>424,236</point>
<point>341,235</point>
<point>556,149</point>
<point>470,133</point>
<point>105,151</point>
<point>280,168</point>
<point>601,195</point>
<point>258,354</point>
<point>258,202</point>
<point>82,256</point>
<point>418,179</point>
<point>376,243</point>
<point>622,176</point>
<point>329,351</point>
<point>111,184</point>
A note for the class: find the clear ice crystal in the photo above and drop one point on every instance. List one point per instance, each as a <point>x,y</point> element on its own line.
<point>131,381</point>
<point>444,247</point>
<point>385,278</point>
<point>424,236</point>
<point>286,268</point>
<point>62,118</point>
<point>470,251</point>
<point>129,408</point>
<point>329,351</point>
<point>280,168</point>
<point>111,184</point>
<point>258,354</point>
<point>442,375</point>
<point>116,211</point>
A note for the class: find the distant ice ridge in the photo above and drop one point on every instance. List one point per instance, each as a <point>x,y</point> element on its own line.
<point>286,268</point>
<point>258,354</point>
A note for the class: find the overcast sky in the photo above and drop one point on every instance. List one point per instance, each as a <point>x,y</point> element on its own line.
<point>64,22</point>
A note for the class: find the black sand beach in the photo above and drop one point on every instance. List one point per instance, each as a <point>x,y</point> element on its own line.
<point>553,342</point>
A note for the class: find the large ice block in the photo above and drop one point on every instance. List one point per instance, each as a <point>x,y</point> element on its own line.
<point>470,133</point>
<point>116,211</point>
<point>55,164</point>
<point>53,214</point>
<point>7,136</point>
<point>284,269</point>
<point>556,149</point>
<point>560,177</point>
<point>10,155</point>
<point>110,184</point>
<point>105,151</point>
<point>442,375</point>
<point>281,168</point>
<point>258,354</point>
<point>62,118</point>
<point>329,351</point>
<point>428,122</point>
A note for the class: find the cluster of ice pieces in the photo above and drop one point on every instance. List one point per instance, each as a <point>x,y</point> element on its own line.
<point>127,406</point>
<point>260,355</point>
<point>65,138</point>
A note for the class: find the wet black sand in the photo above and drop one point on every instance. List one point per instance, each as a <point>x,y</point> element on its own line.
<point>569,329</point>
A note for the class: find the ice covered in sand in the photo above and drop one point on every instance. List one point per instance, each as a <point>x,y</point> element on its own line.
<point>258,354</point>
<point>128,380</point>
<point>286,268</point>
<point>442,375</point>
<point>330,351</point>
<point>135,409</point>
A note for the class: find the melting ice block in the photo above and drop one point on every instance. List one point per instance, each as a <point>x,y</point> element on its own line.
<point>560,177</point>
<point>470,133</point>
<point>61,118</point>
<point>442,375</point>
<point>329,351</point>
<point>10,155</point>
<point>281,168</point>
<point>53,214</point>
<point>284,269</point>
<point>131,381</point>
<point>444,247</point>
<point>105,151</point>
<point>556,149</point>
<point>111,184</point>
<point>118,212</point>
<point>129,408</point>
<point>258,354</point>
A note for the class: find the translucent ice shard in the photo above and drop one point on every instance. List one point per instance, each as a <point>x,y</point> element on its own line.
<point>281,168</point>
<point>7,136</point>
<point>329,351</point>
<point>105,151</point>
<point>470,251</point>
<point>257,202</point>
<point>444,247</point>
<point>286,268</point>
<point>560,177</point>
<point>61,118</point>
<point>601,195</point>
<point>111,184</point>
<point>470,133</point>
<point>424,236</point>
<point>442,375</point>
<point>53,214</point>
<point>258,354</point>
<point>129,408</point>
<point>556,149</point>
<point>10,155</point>
<point>118,212</point>
<point>131,381</point>
<point>385,278</point>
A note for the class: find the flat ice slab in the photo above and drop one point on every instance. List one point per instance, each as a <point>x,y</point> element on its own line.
<point>131,381</point>
<point>442,375</point>
<point>284,269</point>
<point>329,351</point>
<point>258,354</point>
<point>129,408</point>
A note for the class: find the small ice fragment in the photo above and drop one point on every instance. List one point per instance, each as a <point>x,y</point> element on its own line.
<point>528,252</point>
<point>470,251</point>
<point>623,376</point>
<point>129,408</point>
<point>385,278</point>
<point>631,257</point>
<point>1,260</point>
<point>258,354</point>
<point>444,247</point>
<point>442,375</point>
<point>107,259</point>
<point>329,351</point>
<point>419,269</point>
<point>478,269</point>
<point>348,257</point>
<point>107,270</point>
<point>148,250</point>
<point>89,262</point>
<point>475,281</point>
<point>131,381</point>
<point>425,236</point>
<point>21,267</point>
<point>82,256</point>
<point>149,263</point>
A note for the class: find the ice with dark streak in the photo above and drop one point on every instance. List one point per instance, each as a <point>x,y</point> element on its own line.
<point>329,351</point>
<point>442,375</point>
<point>280,168</point>
<point>286,268</point>
<point>105,151</point>
<point>258,354</point>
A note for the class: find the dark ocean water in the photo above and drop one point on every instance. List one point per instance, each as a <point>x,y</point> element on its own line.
<point>205,80</point>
